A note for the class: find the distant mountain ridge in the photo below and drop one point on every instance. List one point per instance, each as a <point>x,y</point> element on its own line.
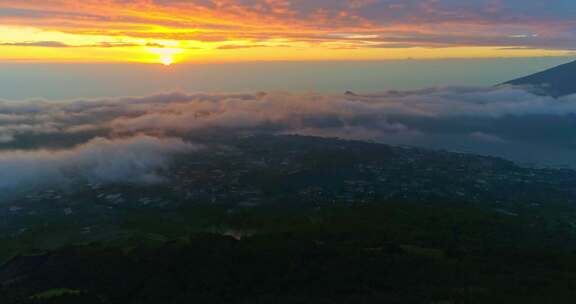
<point>556,82</point>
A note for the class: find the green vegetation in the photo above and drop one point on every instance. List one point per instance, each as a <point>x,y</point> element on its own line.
<point>54,293</point>
<point>294,219</point>
<point>381,253</point>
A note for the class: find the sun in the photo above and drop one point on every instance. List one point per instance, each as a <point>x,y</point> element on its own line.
<point>166,55</point>
<point>167,60</point>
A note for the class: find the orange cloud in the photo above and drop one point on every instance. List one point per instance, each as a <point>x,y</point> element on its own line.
<point>375,29</point>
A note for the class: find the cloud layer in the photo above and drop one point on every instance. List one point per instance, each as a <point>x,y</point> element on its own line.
<point>134,160</point>
<point>502,121</point>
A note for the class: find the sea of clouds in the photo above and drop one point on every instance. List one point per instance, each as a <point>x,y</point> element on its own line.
<point>131,139</point>
<point>100,160</point>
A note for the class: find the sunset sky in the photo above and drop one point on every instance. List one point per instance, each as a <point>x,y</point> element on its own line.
<point>208,31</point>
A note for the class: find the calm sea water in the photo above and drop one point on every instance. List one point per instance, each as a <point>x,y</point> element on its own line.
<point>20,81</point>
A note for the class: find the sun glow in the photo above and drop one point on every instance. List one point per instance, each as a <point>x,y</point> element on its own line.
<point>167,60</point>
<point>167,55</point>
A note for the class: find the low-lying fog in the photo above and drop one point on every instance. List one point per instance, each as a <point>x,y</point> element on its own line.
<point>130,138</point>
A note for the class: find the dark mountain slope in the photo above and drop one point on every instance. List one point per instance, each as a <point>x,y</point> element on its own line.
<point>557,82</point>
<point>391,253</point>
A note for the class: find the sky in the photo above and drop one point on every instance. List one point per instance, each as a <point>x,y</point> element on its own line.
<point>214,31</point>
